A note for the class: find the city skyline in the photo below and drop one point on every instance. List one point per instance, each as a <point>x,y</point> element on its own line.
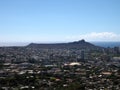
<point>59,21</point>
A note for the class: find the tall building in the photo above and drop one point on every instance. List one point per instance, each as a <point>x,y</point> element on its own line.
<point>117,50</point>
<point>82,55</point>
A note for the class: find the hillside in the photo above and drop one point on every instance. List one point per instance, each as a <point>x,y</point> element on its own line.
<point>82,44</point>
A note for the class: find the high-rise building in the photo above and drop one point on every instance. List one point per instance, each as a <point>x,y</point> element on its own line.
<point>82,55</point>
<point>117,50</point>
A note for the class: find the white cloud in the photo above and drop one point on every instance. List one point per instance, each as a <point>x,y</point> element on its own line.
<point>94,36</point>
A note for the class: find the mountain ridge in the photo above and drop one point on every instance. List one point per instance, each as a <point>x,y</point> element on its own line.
<point>81,44</point>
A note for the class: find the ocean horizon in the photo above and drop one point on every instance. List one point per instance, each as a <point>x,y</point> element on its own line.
<point>107,44</point>
<point>101,44</point>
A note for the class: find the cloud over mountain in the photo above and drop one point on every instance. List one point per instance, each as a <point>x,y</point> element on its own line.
<point>95,36</point>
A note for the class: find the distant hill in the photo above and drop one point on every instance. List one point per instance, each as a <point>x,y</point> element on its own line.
<point>82,44</point>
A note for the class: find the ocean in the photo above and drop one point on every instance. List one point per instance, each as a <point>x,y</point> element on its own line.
<point>107,44</point>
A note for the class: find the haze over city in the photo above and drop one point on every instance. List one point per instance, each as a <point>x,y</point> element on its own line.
<point>59,20</point>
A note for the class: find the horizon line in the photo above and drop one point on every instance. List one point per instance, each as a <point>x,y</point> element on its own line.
<point>7,44</point>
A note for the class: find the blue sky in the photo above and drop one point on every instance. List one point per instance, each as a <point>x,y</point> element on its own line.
<point>59,20</point>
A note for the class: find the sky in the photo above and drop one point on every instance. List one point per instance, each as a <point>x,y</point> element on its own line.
<point>59,20</point>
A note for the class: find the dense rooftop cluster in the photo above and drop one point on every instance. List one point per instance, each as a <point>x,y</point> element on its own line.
<point>34,68</point>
